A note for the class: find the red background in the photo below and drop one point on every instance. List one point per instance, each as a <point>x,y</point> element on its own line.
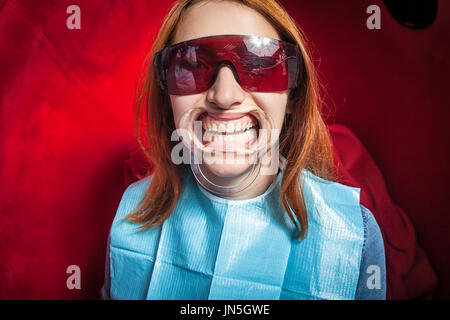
<point>66,126</point>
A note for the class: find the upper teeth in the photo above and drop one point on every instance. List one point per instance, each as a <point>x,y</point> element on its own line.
<point>224,127</point>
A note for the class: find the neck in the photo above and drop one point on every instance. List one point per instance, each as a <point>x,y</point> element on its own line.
<point>258,187</point>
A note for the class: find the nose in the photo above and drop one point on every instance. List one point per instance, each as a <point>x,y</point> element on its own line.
<point>226,91</point>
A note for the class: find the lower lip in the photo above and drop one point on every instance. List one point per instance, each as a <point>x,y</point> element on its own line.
<point>232,146</point>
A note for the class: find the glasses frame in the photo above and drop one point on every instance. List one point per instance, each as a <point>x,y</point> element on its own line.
<point>160,59</point>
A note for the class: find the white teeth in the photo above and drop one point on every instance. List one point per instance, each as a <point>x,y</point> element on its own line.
<point>232,131</point>
<point>222,127</point>
<point>212,136</point>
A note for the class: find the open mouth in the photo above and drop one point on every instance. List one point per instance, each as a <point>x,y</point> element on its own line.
<point>230,133</point>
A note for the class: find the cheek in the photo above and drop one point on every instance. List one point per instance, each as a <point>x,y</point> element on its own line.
<point>182,104</point>
<point>273,104</point>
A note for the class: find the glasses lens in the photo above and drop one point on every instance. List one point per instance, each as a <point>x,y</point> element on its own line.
<point>264,66</point>
<point>261,64</point>
<point>190,69</point>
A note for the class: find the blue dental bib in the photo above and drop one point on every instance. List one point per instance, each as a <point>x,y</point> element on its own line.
<point>214,248</point>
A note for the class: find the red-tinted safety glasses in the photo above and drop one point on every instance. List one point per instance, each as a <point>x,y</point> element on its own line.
<point>259,64</point>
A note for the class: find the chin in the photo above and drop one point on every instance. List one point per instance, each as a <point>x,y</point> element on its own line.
<point>229,169</point>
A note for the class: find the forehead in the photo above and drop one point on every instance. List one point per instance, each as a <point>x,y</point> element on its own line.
<point>212,18</point>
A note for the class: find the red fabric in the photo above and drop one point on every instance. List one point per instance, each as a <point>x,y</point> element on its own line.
<point>66,127</point>
<point>66,123</point>
<point>409,273</point>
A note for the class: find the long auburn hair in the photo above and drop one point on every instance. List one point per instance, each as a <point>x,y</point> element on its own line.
<point>304,140</point>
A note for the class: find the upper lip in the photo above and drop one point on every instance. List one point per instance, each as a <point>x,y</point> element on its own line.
<point>227,115</point>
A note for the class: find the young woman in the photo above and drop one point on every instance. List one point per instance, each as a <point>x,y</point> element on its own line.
<point>242,203</point>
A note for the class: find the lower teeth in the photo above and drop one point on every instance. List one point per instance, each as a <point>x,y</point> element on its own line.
<point>235,137</point>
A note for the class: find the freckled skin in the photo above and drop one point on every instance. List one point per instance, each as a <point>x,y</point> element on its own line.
<point>227,17</point>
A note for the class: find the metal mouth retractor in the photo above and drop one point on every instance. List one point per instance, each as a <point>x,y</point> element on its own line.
<point>191,132</point>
